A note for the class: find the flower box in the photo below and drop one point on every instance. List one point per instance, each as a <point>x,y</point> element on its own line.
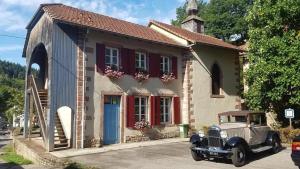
<point>141,76</point>
<point>113,74</point>
<point>167,77</point>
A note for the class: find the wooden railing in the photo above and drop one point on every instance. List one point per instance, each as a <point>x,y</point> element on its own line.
<point>38,106</point>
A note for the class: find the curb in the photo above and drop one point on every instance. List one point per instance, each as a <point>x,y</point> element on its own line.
<point>86,151</point>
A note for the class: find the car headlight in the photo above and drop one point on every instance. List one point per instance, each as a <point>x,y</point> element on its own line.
<point>223,134</point>
<point>201,133</point>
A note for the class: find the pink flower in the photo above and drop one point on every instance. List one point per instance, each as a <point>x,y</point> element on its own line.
<point>141,125</point>
<point>141,76</point>
<point>167,77</point>
<point>113,74</point>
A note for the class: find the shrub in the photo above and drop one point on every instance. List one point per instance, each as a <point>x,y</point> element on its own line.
<point>287,135</point>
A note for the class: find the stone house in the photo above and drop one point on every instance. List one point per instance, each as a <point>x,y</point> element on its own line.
<point>108,74</point>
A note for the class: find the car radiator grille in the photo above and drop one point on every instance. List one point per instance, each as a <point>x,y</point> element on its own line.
<point>214,138</point>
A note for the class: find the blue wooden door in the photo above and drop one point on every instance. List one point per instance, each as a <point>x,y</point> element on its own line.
<point>111,123</point>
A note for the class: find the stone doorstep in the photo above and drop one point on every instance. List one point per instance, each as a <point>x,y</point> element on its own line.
<point>114,147</point>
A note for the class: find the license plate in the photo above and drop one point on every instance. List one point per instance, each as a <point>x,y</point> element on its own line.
<point>213,153</point>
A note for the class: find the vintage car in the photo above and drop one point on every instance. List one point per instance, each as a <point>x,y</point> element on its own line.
<point>238,134</point>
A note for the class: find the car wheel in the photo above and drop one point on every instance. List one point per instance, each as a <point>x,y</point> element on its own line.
<point>238,156</point>
<point>276,145</point>
<point>196,155</point>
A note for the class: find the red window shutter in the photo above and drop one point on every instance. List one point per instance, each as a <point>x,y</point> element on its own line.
<point>124,60</point>
<point>131,62</point>
<point>174,67</point>
<point>130,111</point>
<point>154,65</point>
<point>176,109</point>
<point>157,110</point>
<point>153,108</point>
<point>100,57</point>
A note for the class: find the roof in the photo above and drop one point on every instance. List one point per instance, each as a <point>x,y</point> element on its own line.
<point>75,16</point>
<point>238,113</point>
<point>194,37</point>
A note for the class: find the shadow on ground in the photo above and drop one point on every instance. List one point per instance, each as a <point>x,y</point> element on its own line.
<point>251,157</point>
<point>10,166</point>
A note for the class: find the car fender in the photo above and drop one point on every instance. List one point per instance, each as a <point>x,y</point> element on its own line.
<point>271,135</point>
<point>195,139</point>
<point>236,141</point>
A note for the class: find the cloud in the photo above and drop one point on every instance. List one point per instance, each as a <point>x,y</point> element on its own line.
<point>10,48</point>
<point>15,14</point>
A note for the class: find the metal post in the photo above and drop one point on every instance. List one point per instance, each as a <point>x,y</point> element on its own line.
<point>26,112</point>
<point>290,123</point>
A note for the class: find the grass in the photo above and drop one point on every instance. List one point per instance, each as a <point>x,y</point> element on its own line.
<point>11,157</point>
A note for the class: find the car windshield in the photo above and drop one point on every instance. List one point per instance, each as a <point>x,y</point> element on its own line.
<point>233,119</point>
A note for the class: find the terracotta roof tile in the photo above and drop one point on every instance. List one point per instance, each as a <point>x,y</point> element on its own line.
<point>194,37</point>
<point>80,17</point>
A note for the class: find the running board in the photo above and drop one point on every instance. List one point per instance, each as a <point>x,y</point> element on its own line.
<point>261,149</point>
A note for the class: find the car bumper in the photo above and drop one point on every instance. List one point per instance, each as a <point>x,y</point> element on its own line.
<point>296,159</point>
<point>213,152</point>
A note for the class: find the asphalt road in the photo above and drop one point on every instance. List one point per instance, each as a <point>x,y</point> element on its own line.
<point>177,156</point>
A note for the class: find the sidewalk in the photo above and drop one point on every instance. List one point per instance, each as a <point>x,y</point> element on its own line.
<point>79,152</point>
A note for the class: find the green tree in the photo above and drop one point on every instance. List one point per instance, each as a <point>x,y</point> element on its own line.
<point>274,56</point>
<point>15,104</point>
<point>223,18</point>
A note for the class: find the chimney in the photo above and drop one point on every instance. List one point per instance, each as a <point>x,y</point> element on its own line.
<point>193,23</point>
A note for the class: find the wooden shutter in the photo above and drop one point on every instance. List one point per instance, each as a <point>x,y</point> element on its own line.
<point>124,60</point>
<point>152,110</point>
<point>157,110</point>
<point>174,67</point>
<point>176,109</point>
<point>130,111</point>
<point>100,57</point>
<point>154,65</point>
<point>131,62</point>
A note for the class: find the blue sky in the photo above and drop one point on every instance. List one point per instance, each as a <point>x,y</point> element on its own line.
<point>15,14</point>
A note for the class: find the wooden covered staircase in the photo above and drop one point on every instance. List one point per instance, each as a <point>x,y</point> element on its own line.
<point>40,97</point>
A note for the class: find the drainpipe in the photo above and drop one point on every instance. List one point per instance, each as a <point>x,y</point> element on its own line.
<point>83,94</point>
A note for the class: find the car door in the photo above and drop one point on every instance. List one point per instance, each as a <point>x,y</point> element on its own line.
<point>258,129</point>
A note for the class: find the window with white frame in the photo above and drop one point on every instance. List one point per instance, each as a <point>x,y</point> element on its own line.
<point>141,108</point>
<point>112,57</point>
<point>165,64</point>
<point>141,61</point>
<point>165,109</point>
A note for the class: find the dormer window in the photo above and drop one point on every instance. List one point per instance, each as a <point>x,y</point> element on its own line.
<point>141,61</point>
<point>112,57</point>
<point>165,64</point>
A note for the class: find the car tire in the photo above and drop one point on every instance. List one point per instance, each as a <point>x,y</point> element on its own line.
<point>238,156</point>
<point>196,155</point>
<point>276,145</point>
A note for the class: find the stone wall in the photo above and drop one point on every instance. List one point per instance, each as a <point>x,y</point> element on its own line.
<point>151,135</point>
<point>35,153</point>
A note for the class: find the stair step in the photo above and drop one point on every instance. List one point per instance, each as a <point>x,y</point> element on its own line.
<point>60,139</point>
<point>59,136</point>
<point>61,145</point>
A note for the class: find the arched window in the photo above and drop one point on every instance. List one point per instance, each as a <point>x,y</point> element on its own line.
<point>216,80</point>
